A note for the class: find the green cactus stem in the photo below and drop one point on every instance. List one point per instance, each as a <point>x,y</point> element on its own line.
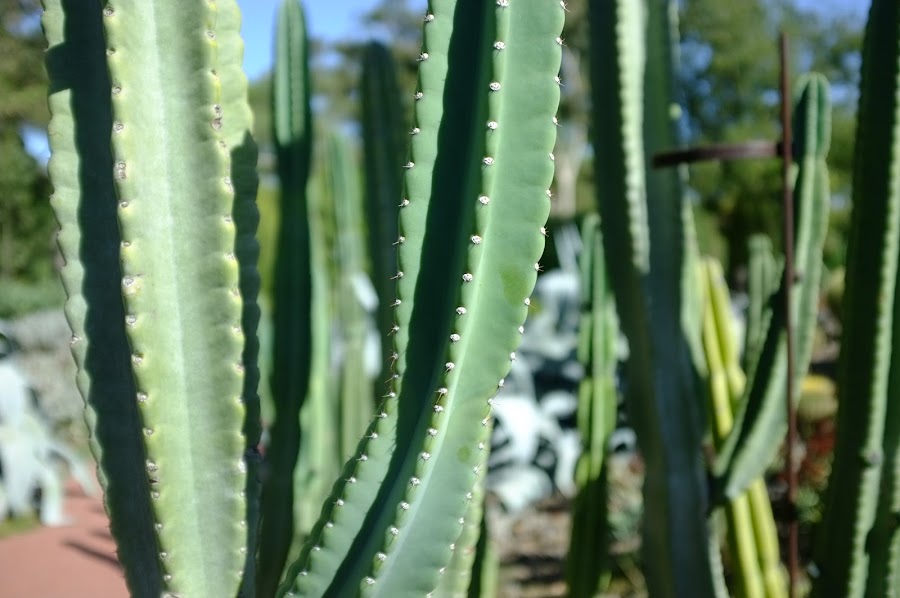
<point>858,536</point>
<point>84,200</point>
<point>764,275</point>
<point>183,184</point>
<point>292,339</point>
<point>588,568</point>
<point>354,395</point>
<point>752,533</point>
<point>470,237</point>
<point>647,234</point>
<point>462,573</point>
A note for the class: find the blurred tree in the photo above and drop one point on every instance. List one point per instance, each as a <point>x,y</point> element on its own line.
<point>730,90</point>
<point>27,225</point>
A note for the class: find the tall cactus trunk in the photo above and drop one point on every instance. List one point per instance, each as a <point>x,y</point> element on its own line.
<point>150,136</point>
<point>858,538</point>
<point>647,236</point>
<point>292,311</point>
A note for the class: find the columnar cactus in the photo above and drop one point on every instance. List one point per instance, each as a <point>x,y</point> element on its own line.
<point>292,319</point>
<point>475,199</point>
<point>158,235</point>
<point>763,275</point>
<point>857,544</point>
<point>761,415</point>
<point>647,234</point>
<point>153,188</point>
<point>588,568</point>
<point>753,539</point>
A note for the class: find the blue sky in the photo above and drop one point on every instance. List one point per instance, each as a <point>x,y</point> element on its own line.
<point>333,19</point>
<point>328,19</point>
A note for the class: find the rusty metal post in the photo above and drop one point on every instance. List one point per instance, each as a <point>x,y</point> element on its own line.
<point>789,279</point>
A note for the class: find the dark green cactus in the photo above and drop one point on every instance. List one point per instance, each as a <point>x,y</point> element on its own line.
<point>588,568</point>
<point>175,352</point>
<point>857,544</point>
<point>470,236</point>
<point>647,234</point>
<point>292,312</point>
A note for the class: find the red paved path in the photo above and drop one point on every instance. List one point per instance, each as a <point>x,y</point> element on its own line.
<point>76,561</point>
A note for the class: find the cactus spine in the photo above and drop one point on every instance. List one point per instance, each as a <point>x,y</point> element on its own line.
<point>858,537</point>
<point>588,567</point>
<point>476,180</point>
<point>180,283</point>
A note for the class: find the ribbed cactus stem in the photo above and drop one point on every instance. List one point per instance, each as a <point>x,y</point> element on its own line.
<point>476,182</point>
<point>858,537</point>
<point>84,201</point>
<point>647,234</point>
<point>244,153</point>
<point>292,316</point>
<point>458,578</point>
<point>182,180</point>
<point>355,402</point>
<point>764,274</point>
<point>588,567</point>
<point>751,527</point>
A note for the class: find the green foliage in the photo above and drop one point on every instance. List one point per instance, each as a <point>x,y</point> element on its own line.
<point>27,225</point>
<point>26,219</point>
<point>729,82</point>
